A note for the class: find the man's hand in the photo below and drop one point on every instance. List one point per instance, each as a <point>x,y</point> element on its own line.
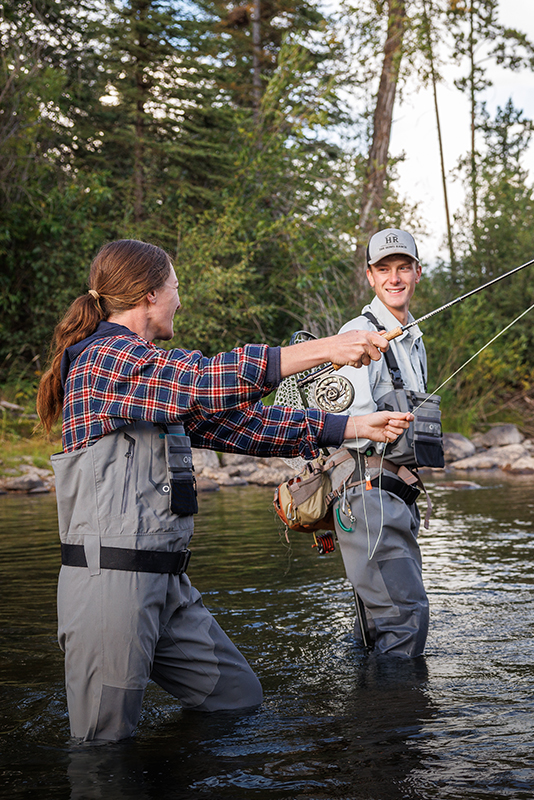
<point>355,348</point>
<point>381,426</point>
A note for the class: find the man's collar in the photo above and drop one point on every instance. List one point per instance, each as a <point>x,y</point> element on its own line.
<point>390,321</point>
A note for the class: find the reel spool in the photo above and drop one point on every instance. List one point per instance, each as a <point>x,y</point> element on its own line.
<point>325,543</point>
<point>334,393</point>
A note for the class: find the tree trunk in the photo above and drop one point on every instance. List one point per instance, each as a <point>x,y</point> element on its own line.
<point>138,161</point>
<point>256,59</point>
<point>139,124</point>
<point>440,139</point>
<point>472,100</point>
<point>373,192</point>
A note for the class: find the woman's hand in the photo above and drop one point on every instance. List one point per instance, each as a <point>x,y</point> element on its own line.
<point>355,348</point>
<point>381,426</point>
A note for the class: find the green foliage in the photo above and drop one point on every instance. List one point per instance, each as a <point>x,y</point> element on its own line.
<point>140,119</point>
<point>276,252</point>
<point>44,262</point>
<point>505,240</point>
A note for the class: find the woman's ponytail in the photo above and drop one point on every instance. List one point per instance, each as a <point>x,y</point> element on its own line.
<point>80,321</point>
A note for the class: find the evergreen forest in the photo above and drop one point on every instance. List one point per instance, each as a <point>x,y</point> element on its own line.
<point>252,142</point>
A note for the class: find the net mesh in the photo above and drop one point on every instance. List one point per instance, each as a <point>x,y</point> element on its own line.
<point>289,394</point>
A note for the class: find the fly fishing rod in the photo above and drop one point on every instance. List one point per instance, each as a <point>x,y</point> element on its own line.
<point>398,331</point>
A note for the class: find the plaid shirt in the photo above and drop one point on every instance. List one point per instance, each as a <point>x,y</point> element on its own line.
<point>123,378</point>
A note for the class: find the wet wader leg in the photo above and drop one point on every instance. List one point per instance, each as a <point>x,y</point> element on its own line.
<point>197,663</point>
<point>108,628</point>
<point>362,624</point>
<point>390,584</point>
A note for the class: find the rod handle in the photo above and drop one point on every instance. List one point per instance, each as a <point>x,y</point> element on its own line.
<point>393,333</point>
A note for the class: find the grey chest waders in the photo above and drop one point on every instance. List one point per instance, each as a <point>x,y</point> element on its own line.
<point>377,526</point>
<point>421,445</point>
<point>148,493</point>
<point>127,612</point>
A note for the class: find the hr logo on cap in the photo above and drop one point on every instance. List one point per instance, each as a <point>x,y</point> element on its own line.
<point>391,241</point>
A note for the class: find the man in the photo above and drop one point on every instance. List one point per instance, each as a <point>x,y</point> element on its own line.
<point>377,521</point>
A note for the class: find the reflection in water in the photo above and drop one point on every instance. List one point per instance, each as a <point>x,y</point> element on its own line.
<point>367,748</point>
<point>335,722</point>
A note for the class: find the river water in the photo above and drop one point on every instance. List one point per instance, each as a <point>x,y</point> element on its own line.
<point>336,723</point>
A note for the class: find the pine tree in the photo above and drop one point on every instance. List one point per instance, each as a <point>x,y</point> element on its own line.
<point>479,38</point>
<point>45,237</point>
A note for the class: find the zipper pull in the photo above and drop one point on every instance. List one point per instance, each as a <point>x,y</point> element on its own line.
<point>367,475</point>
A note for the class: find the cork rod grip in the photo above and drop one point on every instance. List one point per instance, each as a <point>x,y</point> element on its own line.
<point>393,333</point>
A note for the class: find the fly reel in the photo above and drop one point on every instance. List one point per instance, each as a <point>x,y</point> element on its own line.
<point>334,393</point>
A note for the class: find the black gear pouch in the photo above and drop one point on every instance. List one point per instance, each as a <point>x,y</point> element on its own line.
<point>183,490</point>
<point>427,436</point>
<point>422,444</point>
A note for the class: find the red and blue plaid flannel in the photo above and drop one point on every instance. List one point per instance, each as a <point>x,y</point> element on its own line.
<point>121,379</point>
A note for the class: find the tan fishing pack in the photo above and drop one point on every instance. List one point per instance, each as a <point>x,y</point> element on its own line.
<point>304,502</point>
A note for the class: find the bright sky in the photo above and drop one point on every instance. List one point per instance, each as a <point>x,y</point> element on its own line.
<point>414,133</point>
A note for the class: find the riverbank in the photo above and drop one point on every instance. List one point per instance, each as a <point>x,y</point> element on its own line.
<point>25,465</point>
<point>23,448</point>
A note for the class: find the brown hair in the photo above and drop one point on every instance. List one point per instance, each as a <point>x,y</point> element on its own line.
<point>121,275</point>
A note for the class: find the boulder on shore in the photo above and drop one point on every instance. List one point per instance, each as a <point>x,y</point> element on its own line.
<point>205,459</point>
<point>206,485</point>
<point>456,447</point>
<point>236,469</point>
<point>523,466</point>
<point>501,457</point>
<point>33,479</point>
<point>498,436</point>
<point>24,483</point>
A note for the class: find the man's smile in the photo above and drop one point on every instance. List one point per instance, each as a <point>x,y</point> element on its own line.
<point>405,274</point>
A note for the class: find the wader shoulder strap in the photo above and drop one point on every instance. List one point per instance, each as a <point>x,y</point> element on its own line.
<point>391,361</point>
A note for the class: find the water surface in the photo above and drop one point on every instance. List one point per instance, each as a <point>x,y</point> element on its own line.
<point>335,723</point>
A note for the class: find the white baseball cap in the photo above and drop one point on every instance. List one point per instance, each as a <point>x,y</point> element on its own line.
<point>389,242</point>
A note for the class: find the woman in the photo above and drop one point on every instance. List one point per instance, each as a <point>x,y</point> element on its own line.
<point>125,488</point>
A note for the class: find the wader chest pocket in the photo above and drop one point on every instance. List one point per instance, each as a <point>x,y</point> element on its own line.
<point>427,436</point>
<point>183,490</point>
<point>421,445</point>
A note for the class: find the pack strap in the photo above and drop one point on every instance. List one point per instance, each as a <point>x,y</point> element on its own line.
<point>428,502</point>
<point>408,494</point>
<point>121,558</point>
<point>406,475</point>
<point>404,491</point>
<point>391,361</point>
<point>407,485</point>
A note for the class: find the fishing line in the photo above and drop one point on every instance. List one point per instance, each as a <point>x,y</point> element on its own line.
<point>381,495</point>
<point>370,553</point>
<point>361,484</point>
<point>362,479</point>
<point>473,357</point>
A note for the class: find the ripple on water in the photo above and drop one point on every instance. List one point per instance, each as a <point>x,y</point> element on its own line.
<point>335,723</point>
